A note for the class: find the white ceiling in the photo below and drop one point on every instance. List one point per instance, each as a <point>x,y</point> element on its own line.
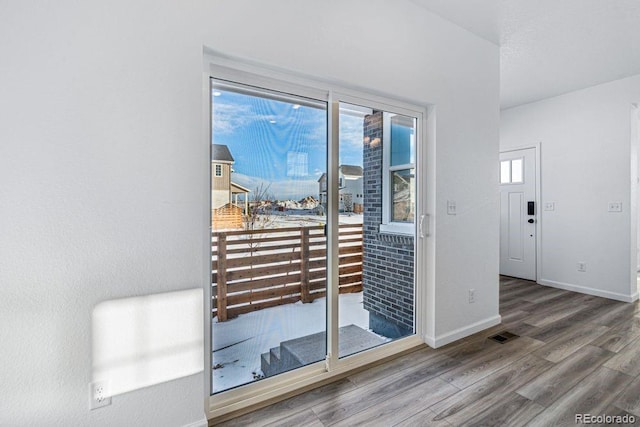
<point>551,47</point>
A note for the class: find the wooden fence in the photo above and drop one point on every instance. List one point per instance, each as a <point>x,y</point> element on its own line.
<point>257,269</point>
<point>226,217</point>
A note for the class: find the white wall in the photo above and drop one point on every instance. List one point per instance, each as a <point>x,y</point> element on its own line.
<point>103,169</point>
<point>585,164</point>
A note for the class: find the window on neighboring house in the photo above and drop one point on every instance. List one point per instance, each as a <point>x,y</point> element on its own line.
<point>218,170</point>
<point>398,183</point>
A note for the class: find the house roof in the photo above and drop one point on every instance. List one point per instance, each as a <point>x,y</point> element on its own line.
<point>221,153</point>
<point>351,170</point>
<point>237,188</point>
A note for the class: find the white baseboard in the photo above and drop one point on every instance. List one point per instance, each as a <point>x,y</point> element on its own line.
<point>589,291</point>
<point>200,423</point>
<point>463,332</point>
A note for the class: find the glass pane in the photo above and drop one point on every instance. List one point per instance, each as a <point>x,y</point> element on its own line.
<point>402,140</point>
<point>268,244</point>
<point>516,171</point>
<point>403,195</point>
<point>376,301</point>
<point>505,172</point>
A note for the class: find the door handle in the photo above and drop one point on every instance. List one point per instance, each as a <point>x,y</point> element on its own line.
<point>421,226</point>
<point>531,221</point>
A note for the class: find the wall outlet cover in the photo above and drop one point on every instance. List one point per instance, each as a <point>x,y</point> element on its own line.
<point>615,207</point>
<point>99,394</point>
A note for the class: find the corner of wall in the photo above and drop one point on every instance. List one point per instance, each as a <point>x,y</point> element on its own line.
<point>449,337</point>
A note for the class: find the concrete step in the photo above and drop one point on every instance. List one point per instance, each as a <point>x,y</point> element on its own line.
<point>274,357</point>
<point>302,351</point>
<point>353,339</point>
<point>265,365</point>
<point>270,362</point>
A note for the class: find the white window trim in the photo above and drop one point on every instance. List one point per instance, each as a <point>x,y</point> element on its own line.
<point>215,171</point>
<point>510,161</point>
<point>219,65</point>
<point>405,228</point>
<point>387,226</point>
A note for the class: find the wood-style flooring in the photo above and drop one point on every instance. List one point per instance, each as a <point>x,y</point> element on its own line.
<point>575,354</point>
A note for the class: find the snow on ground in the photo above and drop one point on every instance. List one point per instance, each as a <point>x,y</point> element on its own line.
<point>238,343</point>
<point>299,217</point>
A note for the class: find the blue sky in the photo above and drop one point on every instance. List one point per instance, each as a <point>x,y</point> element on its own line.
<point>281,144</point>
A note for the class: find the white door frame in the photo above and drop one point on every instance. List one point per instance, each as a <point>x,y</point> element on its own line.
<point>537,147</point>
<point>272,389</point>
<point>634,145</point>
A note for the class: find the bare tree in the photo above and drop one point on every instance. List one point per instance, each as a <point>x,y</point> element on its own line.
<point>260,210</point>
<point>259,214</point>
<point>347,200</point>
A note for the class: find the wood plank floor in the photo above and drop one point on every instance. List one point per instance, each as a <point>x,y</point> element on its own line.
<point>575,354</point>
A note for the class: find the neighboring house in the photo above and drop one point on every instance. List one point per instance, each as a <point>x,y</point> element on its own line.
<point>226,207</point>
<point>223,190</point>
<point>351,189</point>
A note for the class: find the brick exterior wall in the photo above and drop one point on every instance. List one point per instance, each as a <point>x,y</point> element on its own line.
<point>388,262</point>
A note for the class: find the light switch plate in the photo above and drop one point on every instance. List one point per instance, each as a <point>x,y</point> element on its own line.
<point>451,207</point>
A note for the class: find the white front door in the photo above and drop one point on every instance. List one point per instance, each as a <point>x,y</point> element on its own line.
<point>518,213</point>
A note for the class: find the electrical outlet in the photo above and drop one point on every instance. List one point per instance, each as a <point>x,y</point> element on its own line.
<point>99,394</point>
<point>582,267</point>
<point>615,207</point>
<point>451,207</point>
<point>472,296</point>
<point>549,206</point>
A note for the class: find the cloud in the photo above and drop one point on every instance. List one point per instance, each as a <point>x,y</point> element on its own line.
<point>231,112</point>
<point>351,132</point>
<point>227,118</point>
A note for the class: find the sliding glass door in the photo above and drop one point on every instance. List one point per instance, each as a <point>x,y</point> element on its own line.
<point>268,168</point>
<point>313,241</point>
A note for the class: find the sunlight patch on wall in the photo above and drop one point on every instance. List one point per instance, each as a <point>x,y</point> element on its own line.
<point>142,341</point>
